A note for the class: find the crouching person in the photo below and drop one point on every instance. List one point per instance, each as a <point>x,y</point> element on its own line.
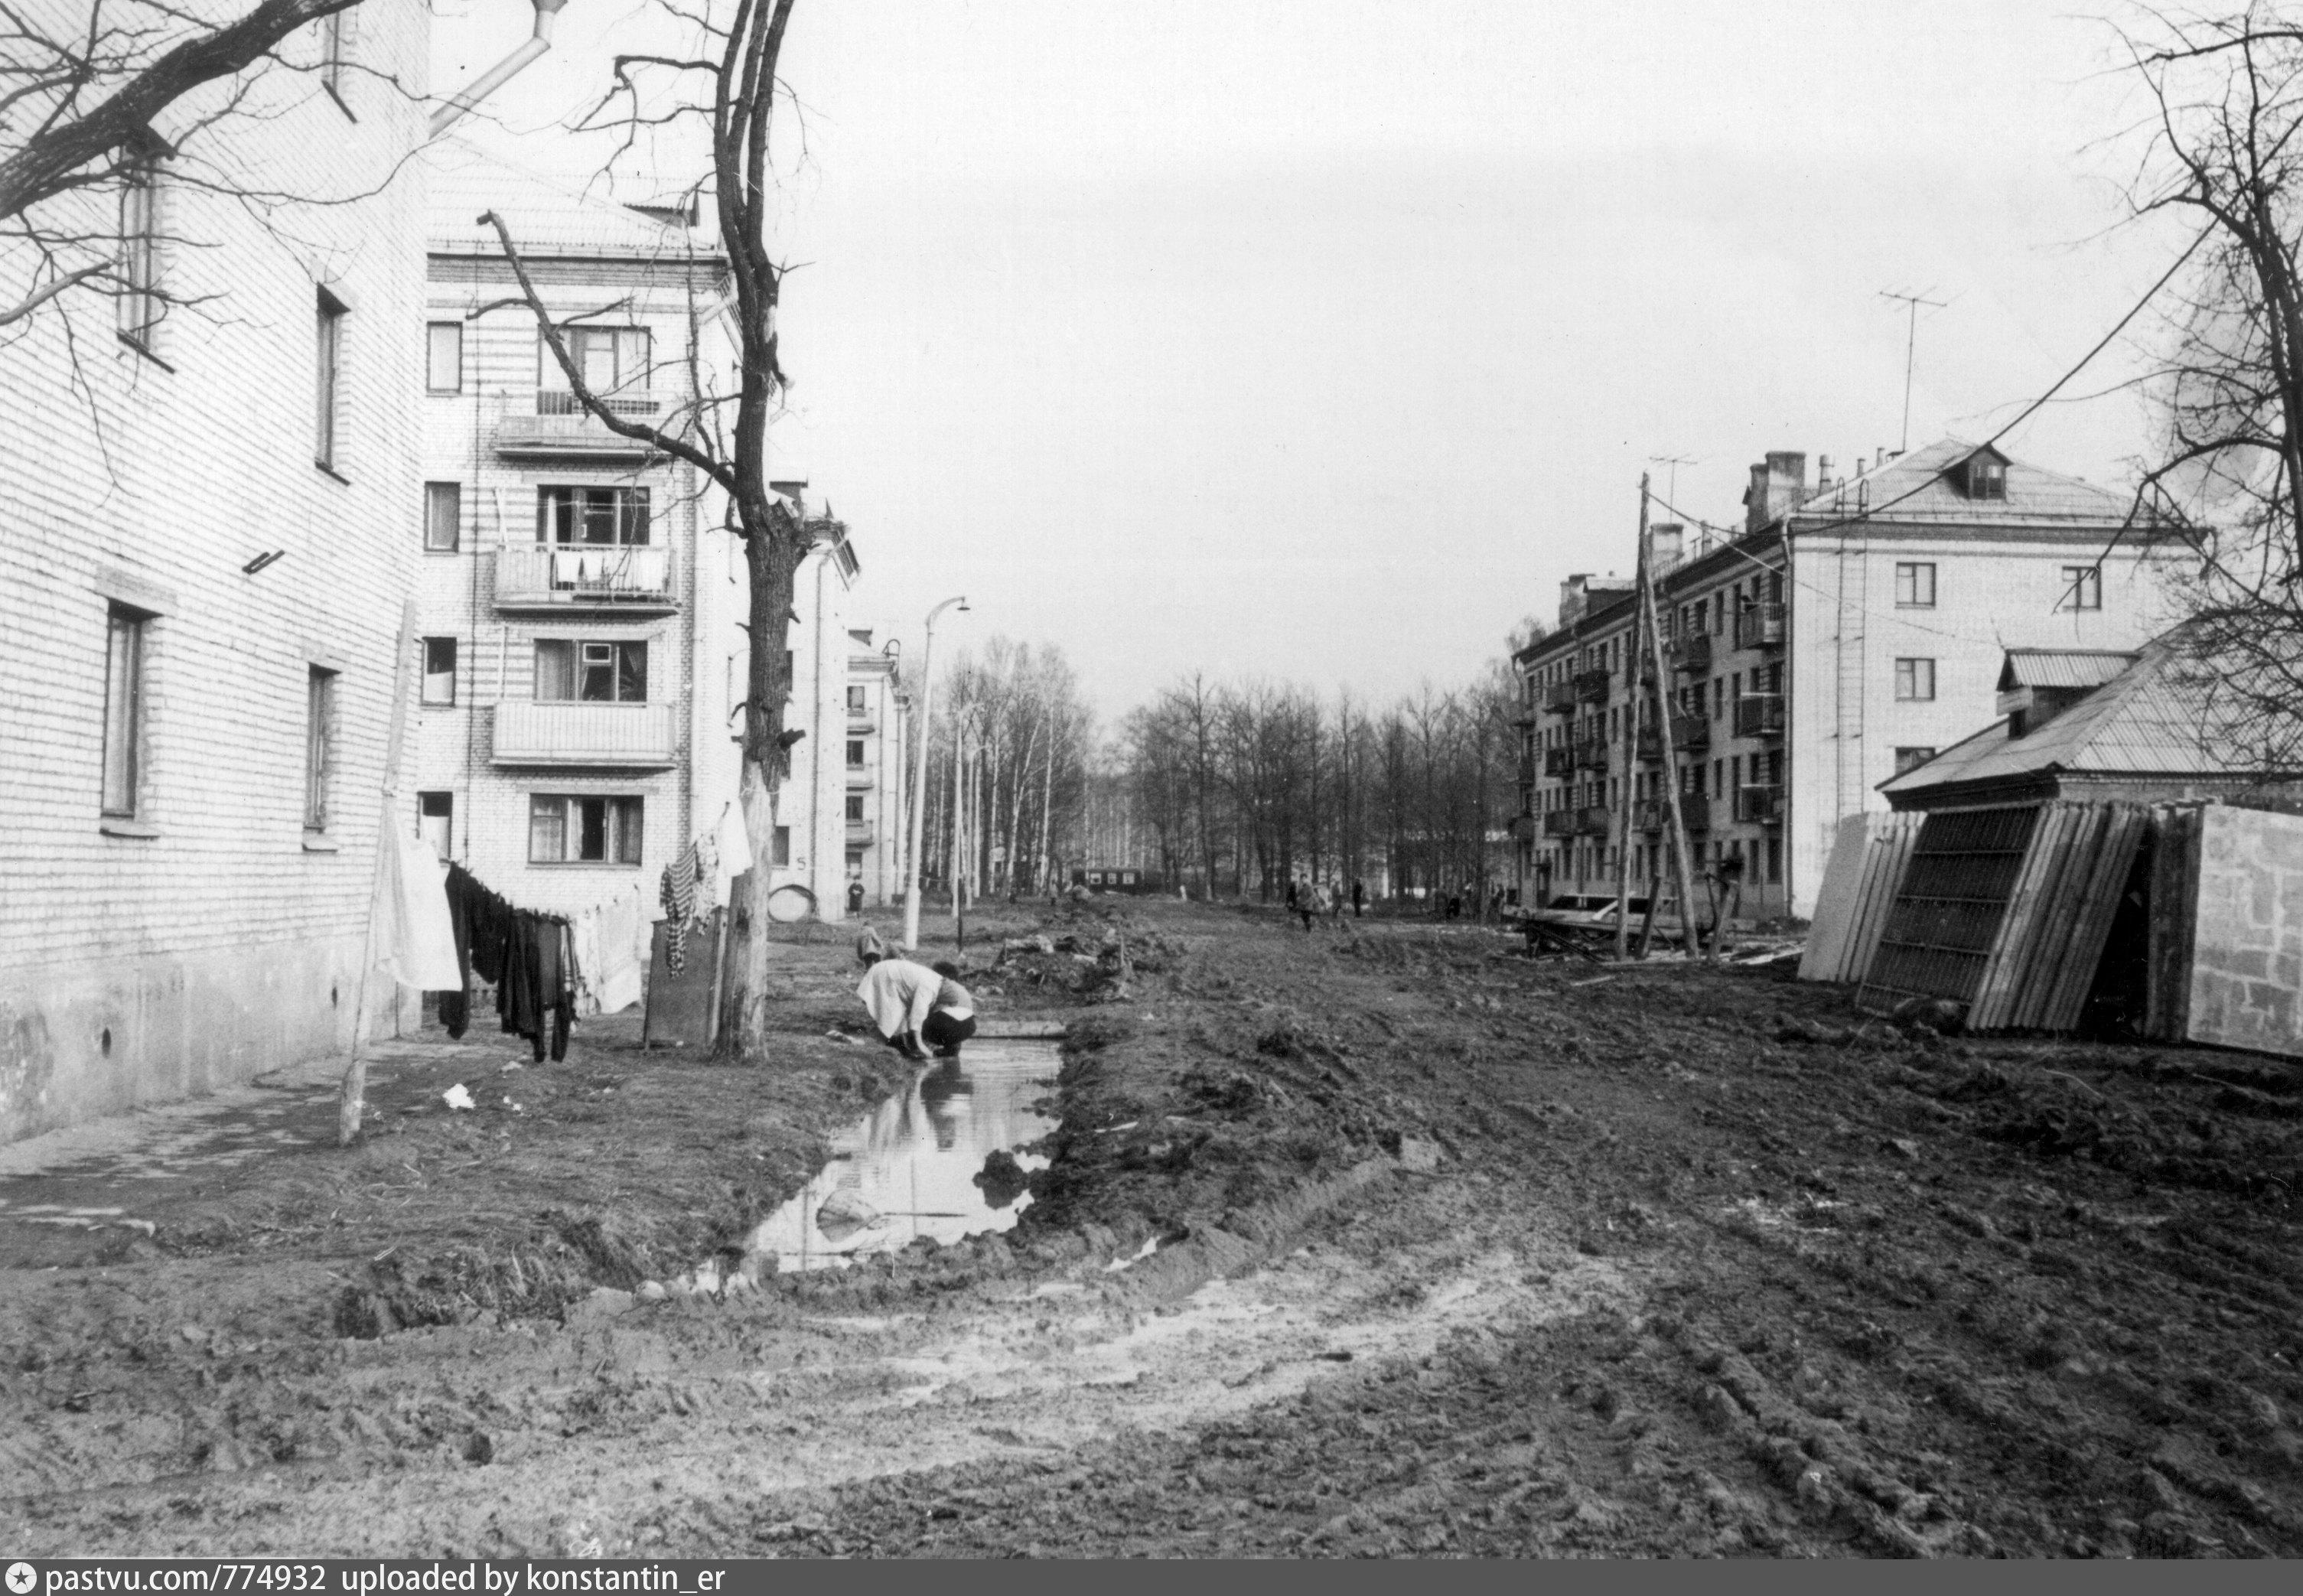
<point>916,1007</point>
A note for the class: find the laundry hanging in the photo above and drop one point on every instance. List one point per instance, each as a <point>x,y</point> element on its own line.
<point>679,900</point>
<point>414,937</point>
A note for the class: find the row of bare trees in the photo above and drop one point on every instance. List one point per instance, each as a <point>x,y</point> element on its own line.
<point>1007,767</point>
<point>1239,788</point>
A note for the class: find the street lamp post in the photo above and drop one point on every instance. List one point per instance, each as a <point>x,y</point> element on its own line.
<point>920,773</point>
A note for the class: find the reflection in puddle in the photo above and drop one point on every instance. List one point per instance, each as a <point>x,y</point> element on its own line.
<point>908,1169</point>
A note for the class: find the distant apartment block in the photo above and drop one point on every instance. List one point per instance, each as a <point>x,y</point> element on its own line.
<point>1849,630</point>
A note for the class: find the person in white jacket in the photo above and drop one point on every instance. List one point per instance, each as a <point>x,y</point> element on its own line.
<point>917,1008</point>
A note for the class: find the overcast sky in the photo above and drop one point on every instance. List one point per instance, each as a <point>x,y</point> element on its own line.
<point>1319,339</point>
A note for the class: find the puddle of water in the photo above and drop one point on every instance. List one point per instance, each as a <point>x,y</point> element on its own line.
<point>915,1159</point>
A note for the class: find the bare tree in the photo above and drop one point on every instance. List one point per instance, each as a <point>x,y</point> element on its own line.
<point>2223,147</point>
<point>94,92</point>
<point>729,91</point>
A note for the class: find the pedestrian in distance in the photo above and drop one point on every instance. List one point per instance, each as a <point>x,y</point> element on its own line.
<point>1334,892</point>
<point>1291,894</point>
<point>1359,897</point>
<point>1308,904</point>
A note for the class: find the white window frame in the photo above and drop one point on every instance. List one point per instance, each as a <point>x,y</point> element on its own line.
<point>1915,679</point>
<point>1915,585</point>
<point>444,356</point>
<point>2082,588</point>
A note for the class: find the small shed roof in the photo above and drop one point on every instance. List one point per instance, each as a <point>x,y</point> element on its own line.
<point>2062,667</point>
<point>2159,716</point>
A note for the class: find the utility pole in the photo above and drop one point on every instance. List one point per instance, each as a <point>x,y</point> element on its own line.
<point>1683,868</point>
<point>1624,812</point>
<point>1671,494</point>
<point>1911,347</point>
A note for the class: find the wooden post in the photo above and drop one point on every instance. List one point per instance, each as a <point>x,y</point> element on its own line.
<point>1684,882</point>
<point>1631,746</point>
<point>352,1097</point>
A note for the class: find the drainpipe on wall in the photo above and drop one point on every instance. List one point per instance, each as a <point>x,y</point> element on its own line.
<point>501,72</point>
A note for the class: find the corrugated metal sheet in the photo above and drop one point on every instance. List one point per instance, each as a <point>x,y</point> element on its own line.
<point>1947,912</point>
<point>2062,667</point>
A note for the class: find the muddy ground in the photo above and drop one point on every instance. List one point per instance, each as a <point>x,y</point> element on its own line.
<point>1450,1253</point>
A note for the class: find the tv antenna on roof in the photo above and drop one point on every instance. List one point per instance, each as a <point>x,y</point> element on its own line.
<point>1910,347</point>
<point>1674,461</point>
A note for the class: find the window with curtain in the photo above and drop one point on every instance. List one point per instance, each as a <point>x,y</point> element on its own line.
<point>578,829</point>
<point>571,670</point>
<point>592,515</point>
<point>443,517</point>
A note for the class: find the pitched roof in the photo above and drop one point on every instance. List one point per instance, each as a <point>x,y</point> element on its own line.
<point>544,214</point>
<point>2062,667</point>
<point>1920,486</point>
<point>2161,716</point>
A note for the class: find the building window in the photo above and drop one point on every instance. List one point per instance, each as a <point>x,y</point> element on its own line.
<point>1987,478</point>
<point>855,753</point>
<point>608,357</point>
<point>570,670</point>
<point>1910,759</point>
<point>612,515</point>
<point>123,711</point>
<point>2082,587</point>
<point>436,820</point>
<point>443,517</point>
<point>1915,679</point>
<point>319,745</point>
<point>1915,586</point>
<point>439,670</point>
<point>140,251</point>
<point>855,805</point>
<point>572,830</point>
<point>328,327</point>
<point>781,853</point>
<point>443,357</point>
<point>855,700</point>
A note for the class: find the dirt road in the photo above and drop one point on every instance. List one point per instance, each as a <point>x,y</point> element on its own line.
<point>1380,1239</point>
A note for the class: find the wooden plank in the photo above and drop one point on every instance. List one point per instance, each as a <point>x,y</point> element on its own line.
<point>1996,987</point>
<point>2104,890</point>
<point>1839,901</point>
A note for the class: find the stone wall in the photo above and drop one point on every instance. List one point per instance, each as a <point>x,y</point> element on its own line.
<point>2247,959</point>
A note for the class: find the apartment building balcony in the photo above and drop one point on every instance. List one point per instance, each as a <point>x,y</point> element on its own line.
<point>1590,686</point>
<point>551,425</point>
<point>1650,814</point>
<point>1527,770</point>
<point>1559,697</point>
<point>1590,752</point>
<point>1524,826</point>
<point>1560,823</point>
<point>861,833</point>
<point>630,735</point>
<point>1759,627</point>
<point>1762,803</point>
<point>548,576</point>
<point>1692,654</point>
<point>1690,733</point>
<point>1558,762</point>
<point>1695,811</point>
<point>1760,715</point>
<point>1591,820</point>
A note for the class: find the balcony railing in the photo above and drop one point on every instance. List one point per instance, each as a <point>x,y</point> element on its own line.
<point>1559,697</point>
<point>860,833</point>
<point>1591,821</point>
<point>611,734</point>
<point>1527,770</point>
<point>1695,811</point>
<point>1591,687</point>
<point>1590,752</point>
<point>1689,733</point>
<point>1650,814</point>
<point>1559,823</point>
<point>1692,653</point>
<point>1760,715</point>
<point>550,574</point>
<point>1558,762</point>
<point>1764,804</point>
<point>1759,627</point>
<point>553,423</point>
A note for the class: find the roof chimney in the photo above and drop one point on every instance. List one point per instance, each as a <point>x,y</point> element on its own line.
<point>1776,484</point>
<point>1666,543</point>
<point>1822,472</point>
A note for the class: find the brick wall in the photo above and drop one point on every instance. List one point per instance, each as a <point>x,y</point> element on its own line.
<point>226,942</point>
<point>2246,957</point>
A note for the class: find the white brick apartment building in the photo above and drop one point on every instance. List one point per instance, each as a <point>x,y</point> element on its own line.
<point>584,603</point>
<point>573,733</point>
<point>879,718</point>
<point>1850,629</point>
<point>211,528</point>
